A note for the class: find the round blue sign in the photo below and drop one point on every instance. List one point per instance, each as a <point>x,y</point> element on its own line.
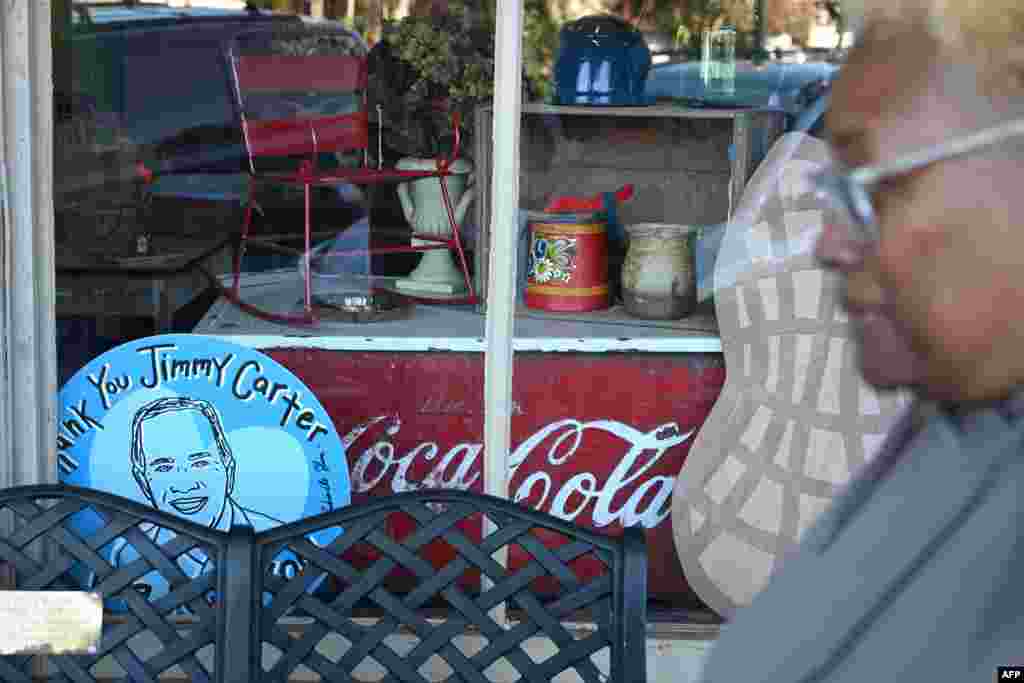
<point>203,429</point>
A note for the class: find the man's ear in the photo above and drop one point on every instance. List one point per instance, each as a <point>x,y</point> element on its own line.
<point>1015,71</point>
<point>140,479</point>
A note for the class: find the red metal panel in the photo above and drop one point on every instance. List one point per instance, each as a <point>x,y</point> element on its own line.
<point>597,439</point>
<point>291,73</point>
<point>304,136</point>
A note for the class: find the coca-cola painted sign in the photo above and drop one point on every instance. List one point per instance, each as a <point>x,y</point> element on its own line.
<point>648,495</point>
<point>596,440</point>
<point>557,443</point>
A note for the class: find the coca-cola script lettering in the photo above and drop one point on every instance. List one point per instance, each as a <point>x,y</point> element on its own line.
<point>558,443</point>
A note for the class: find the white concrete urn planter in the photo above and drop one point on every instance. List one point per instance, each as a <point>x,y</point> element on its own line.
<point>423,206</point>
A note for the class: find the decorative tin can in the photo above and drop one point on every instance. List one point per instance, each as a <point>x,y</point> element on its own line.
<point>659,276</point>
<point>568,264</point>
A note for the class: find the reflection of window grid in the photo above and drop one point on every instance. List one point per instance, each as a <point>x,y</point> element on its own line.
<point>793,393</point>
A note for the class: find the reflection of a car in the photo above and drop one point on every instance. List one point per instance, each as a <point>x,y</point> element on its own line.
<point>102,13</point>
<point>161,70</point>
<point>786,86</point>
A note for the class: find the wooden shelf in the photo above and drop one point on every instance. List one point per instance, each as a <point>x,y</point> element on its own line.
<point>702,321</point>
<point>702,166</point>
<point>451,327</point>
<point>653,110</point>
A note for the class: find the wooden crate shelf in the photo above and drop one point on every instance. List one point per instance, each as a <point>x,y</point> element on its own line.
<point>688,165</point>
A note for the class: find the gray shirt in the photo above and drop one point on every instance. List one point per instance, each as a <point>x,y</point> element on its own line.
<point>916,570</point>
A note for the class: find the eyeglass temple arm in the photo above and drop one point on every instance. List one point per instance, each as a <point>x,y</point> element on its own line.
<point>869,175</point>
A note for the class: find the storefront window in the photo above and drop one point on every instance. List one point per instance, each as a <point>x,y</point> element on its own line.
<point>184,137</point>
<point>634,152</point>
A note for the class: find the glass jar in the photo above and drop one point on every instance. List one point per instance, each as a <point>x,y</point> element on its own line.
<point>718,61</point>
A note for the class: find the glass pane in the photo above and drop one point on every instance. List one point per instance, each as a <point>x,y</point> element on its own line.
<point>185,137</point>
<point>634,152</point>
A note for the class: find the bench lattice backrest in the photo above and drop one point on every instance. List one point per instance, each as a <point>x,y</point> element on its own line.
<point>65,538</point>
<point>406,591</point>
<point>375,612</point>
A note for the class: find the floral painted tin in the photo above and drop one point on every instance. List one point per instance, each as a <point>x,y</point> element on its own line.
<point>567,269</point>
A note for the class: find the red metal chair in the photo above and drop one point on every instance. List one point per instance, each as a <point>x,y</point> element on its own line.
<point>302,136</point>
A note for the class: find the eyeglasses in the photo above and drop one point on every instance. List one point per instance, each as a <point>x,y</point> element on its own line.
<point>849,190</point>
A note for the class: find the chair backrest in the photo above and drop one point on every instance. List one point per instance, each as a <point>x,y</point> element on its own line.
<point>300,93</point>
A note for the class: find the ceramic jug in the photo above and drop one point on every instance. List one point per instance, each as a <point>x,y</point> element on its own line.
<point>422,199</point>
<point>423,206</point>
<point>659,276</point>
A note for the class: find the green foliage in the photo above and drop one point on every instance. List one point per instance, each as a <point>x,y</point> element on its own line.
<point>424,69</point>
<point>540,43</point>
<point>359,24</point>
<point>686,21</point>
<point>446,58</point>
<point>428,66</point>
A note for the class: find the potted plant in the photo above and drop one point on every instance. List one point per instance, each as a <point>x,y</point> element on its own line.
<point>425,70</point>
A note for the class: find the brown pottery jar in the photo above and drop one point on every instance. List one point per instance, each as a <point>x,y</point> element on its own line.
<point>659,276</point>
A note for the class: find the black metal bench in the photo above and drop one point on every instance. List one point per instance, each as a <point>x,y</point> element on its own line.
<point>375,603</point>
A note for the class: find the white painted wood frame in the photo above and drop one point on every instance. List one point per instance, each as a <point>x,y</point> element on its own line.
<point>28,357</point>
<point>501,273</point>
<point>501,284</point>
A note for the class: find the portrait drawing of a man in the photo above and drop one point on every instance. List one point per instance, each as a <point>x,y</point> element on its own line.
<point>183,464</point>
